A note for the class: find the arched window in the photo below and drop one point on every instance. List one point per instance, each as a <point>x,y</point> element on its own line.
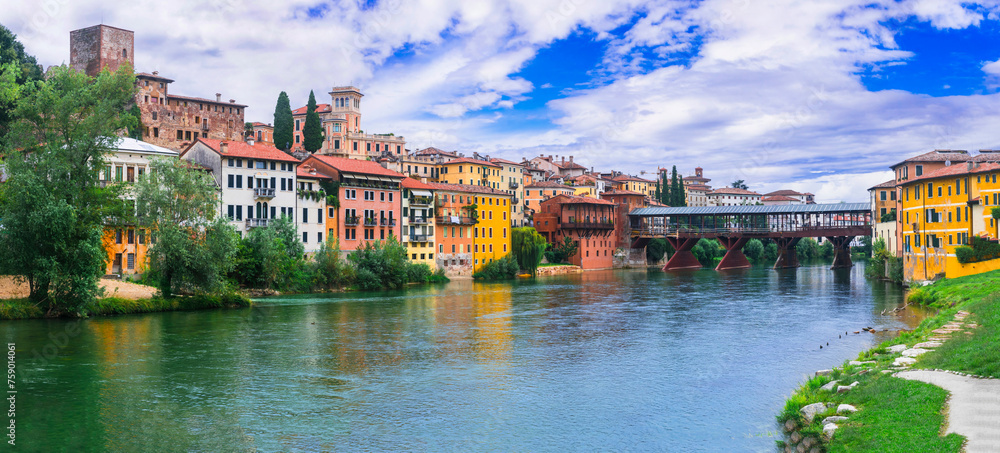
<point>265,210</point>
<point>258,210</point>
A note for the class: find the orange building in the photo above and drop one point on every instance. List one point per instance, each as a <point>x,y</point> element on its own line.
<point>538,191</point>
<point>625,201</point>
<point>589,222</point>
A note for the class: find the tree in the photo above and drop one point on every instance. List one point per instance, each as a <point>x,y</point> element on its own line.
<point>283,123</point>
<point>22,69</point>
<point>656,249</point>
<point>270,257</point>
<point>659,194</point>
<point>665,189</point>
<point>53,206</point>
<point>676,189</point>
<point>562,252</point>
<point>754,250</point>
<point>380,264</point>
<point>739,184</point>
<point>528,248</point>
<point>193,250</point>
<point>312,131</point>
<point>248,129</point>
<point>995,213</point>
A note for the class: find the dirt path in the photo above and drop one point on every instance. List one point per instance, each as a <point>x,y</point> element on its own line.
<point>973,409</point>
<point>10,289</point>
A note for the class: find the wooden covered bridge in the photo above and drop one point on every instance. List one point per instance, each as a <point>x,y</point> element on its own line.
<point>733,226</point>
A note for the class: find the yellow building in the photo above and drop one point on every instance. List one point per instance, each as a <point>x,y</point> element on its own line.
<point>491,235</point>
<point>635,184</point>
<point>473,226</point>
<point>941,211</point>
<point>473,172</point>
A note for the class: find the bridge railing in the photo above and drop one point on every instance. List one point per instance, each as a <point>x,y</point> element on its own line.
<point>655,230</point>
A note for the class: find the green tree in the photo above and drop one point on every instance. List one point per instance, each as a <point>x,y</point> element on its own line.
<point>248,129</point>
<point>331,271</point>
<point>659,194</point>
<point>502,269</point>
<point>271,257</point>
<point>528,248</point>
<point>562,252</point>
<point>380,264</point>
<point>995,213</point>
<point>754,250</point>
<point>53,206</point>
<point>665,191</point>
<point>22,69</point>
<point>312,131</point>
<point>739,184</point>
<point>676,189</point>
<point>656,249</point>
<point>193,250</point>
<point>283,123</point>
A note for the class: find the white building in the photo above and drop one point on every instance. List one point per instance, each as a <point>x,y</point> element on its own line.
<point>729,196</point>
<point>418,221</point>
<point>257,180</point>
<point>312,208</point>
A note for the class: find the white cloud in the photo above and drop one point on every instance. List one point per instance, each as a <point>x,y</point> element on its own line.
<point>771,96</point>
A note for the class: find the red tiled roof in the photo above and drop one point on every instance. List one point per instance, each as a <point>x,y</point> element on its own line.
<point>469,160</point>
<point>885,185</point>
<point>320,108</point>
<point>467,188</point>
<point>783,192</point>
<point>779,198</point>
<point>622,192</point>
<point>505,161</point>
<point>955,170</point>
<point>547,184</point>
<point>307,171</point>
<point>568,165</point>
<point>939,155</point>
<point>259,124</point>
<point>242,149</point>
<point>631,178</point>
<point>207,101</point>
<point>151,76</point>
<point>411,183</point>
<point>432,150</point>
<point>575,199</point>
<point>365,167</point>
<point>733,191</point>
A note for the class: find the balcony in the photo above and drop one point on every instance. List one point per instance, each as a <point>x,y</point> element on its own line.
<point>603,224</point>
<point>456,220</point>
<point>421,201</point>
<point>253,223</point>
<point>204,126</point>
<point>418,238</point>
<point>371,222</point>
<point>263,192</point>
<point>387,222</point>
<point>418,220</point>
<point>513,185</point>
<point>351,221</point>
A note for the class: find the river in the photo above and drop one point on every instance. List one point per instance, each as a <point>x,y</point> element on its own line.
<point>604,360</point>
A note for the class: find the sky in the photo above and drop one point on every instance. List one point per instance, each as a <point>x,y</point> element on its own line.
<point>818,96</point>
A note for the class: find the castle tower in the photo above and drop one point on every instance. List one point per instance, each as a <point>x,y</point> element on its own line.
<point>347,101</point>
<point>94,48</point>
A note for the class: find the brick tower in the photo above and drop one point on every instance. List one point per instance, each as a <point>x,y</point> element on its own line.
<point>94,48</point>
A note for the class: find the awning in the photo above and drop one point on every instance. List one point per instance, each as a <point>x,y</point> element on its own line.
<point>421,193</point>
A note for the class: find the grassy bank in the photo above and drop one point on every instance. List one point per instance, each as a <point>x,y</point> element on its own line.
<point>23,309</point>
<point>901,415</point>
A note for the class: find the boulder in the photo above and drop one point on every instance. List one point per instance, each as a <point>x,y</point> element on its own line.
<point>857,363</point>
<point>928,344</point>
<point>846,409</point>
<point>824,372</point>
<point>844,388</point>
<point>795,437</point>
<point>790,425</point>
<point>809,442</point>
<point>914,352</point>
<point>854,384</point>
<point>897,348</point>
<point>810,411</point>
<point>833,419</point>
<point>830,386</point>
<point>828,430</point>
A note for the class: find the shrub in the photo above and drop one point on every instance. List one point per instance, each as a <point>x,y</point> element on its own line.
<point>438,277</point>
<point>656,249</point>
<point>561,253</point>
<point>502,269</point>
<point>380,264</point>
<point>754,250</point>
<point>979,249</point>
<point>706,250</point>
<point>807,249</point>
<point>329,269</point>
<point>418,273</point>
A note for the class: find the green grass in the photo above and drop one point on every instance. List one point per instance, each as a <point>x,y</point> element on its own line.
<point>19,309</point>
<point>978,353</point>
<point>956,291</point>
<point>895,415</point>
<point>22,309</point>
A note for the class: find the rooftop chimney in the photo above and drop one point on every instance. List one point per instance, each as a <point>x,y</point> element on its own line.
<point>232,101</point>
<point>218,97</point>
<point>223,147</point>
<point>571,159</point>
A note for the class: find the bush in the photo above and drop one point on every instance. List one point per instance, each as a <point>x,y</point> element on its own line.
<point>807,249</point>
<point>754,250</point>
<point>562,252</point>
<point>438,277</point>
<point>418,273</point>
<point>504,268</point>
<point>979,249</point>
<point>380,264</point>
<point>329,269</point>
<point>771,252</point>
<point>656,249</point>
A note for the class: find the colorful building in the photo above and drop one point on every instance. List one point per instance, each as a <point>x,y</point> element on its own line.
<point>883,201</point>
<point>254,176</point>
<point>472,226</point>
<point>341,123</point>
<point>127,244</point>
<point>942,210</point>
<point>539,191</point>
<point>589,222</point>
<point>918,166</point>
<point>469,171</point>
<point>312,222</point>
<point>370,199</point>
<point>512,181</point>
<point>731,196</point>
<point>636,184</point>
<point>418,221</point>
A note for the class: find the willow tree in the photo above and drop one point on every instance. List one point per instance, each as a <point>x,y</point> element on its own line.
<point>528,247</point>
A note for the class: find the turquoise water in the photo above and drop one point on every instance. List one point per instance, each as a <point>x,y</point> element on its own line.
<point>607,360</point>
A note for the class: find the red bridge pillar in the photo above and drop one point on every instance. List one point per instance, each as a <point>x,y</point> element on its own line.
<point>734,259</point>
<point>786,253</point>
<point>841,252</point>
<point>682,257</point>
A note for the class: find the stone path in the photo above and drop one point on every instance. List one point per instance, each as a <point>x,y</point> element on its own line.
<point>974,405</point>
<point>973,409</point>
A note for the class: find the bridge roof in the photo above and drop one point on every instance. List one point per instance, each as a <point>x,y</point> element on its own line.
<point>753,209</point>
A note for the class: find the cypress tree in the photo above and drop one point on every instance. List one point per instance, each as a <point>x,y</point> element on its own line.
<point>312,132</point>
<point>659,196</point>
<point>665,194</point>
<point>676,191</point>
<point>283,123</point>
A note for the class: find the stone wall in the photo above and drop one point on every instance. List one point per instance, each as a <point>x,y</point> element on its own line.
<point>94,48</point>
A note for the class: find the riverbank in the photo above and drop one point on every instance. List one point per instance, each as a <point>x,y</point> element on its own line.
<point>864,405</point>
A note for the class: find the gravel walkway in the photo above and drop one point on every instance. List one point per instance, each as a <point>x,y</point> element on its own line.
<point>973,409</point>
<point>9,289</point>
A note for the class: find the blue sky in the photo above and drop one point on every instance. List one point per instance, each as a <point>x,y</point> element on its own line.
<point>817,96</point>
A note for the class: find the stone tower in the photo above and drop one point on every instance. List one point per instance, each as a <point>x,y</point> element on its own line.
<point>94,48</point>
<point>346,101</point>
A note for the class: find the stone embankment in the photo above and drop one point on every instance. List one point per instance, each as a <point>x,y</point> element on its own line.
<point>12,289</point>
<point>558,270</point>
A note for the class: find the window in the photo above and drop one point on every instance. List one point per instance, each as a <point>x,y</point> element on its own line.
<point>131,260</point>
<point>319,215</point>
<point>232,212</point>
<point>239,182</point>
<point>118,236</point>
<point>305,215</point>
<point>920,171</point>
<point>296,126</point>
<point>305,237</point>
<point>239,163</point>
<point>239,212</point>
<point>232,181</point>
